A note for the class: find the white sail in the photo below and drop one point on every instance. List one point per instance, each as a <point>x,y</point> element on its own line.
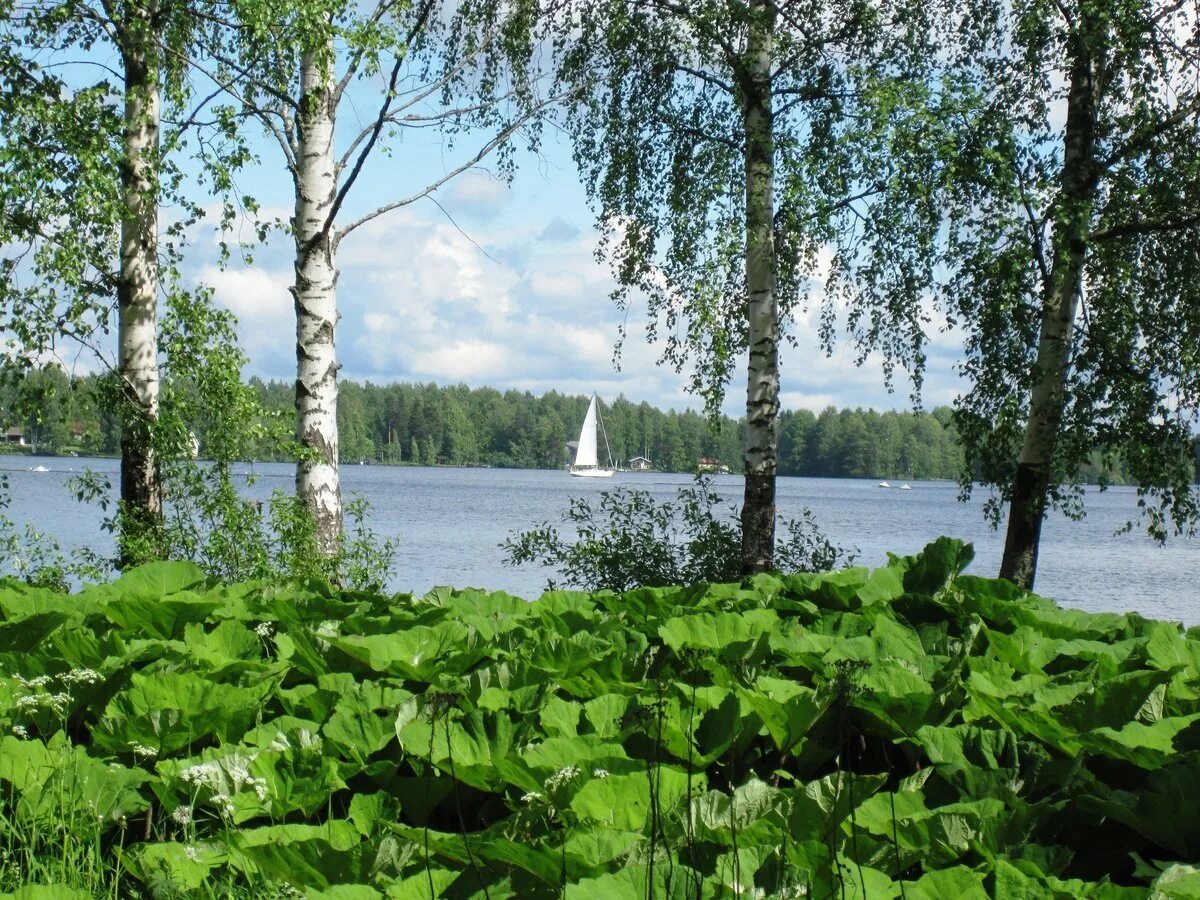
<point>586,454</point>
<point>587,461</point>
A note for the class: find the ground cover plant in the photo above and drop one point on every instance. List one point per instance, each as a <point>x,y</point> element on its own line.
<point>909,732</point>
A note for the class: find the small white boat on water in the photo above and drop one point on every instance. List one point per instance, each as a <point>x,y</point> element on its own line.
<point>905,487</point>
<point>884,484</point>
<point>39,469</point>
<point>587,463</point>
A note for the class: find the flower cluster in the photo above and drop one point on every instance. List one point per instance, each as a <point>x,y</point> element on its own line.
<point>561,777</point>
<point>226,777</point>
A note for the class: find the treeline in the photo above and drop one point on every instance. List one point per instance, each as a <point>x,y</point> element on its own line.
<point>426,424</point>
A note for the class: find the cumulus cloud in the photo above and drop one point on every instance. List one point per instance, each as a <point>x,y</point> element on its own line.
<point>559,231</point>
<point>479,195</point>
<point>260,299</point>
<point>520,305</point>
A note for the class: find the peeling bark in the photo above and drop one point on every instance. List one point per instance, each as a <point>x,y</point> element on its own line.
<point>762,387</point>
<point>315,296</point>
<point>1060,306</point>
<point>137,291</point>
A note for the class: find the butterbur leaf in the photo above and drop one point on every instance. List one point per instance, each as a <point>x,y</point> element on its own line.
<point>163,618</point>
<point>959,882</point>
<point>727,634</point>
<point>25,634</point>
<point>1177,882</point>
<point>170,711</point>
<point>170,868</point>
<point>154,580</point>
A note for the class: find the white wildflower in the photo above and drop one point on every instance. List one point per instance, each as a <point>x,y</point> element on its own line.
<point>600,773</point>
<point>143,750</point>
<point>260,788</point>
<point>279,743</point>
<point>40,682</point>
<point>532,797</point>
<point>208,774</point>
<point>238,771</point>
<point>81,676</point>
<point>20,731</point>
<point>190,853</point>
<point>328,629</point>
<point>224,804</point>
<point>56,702</point>
<point>309,741</point>
<point>264,629</point>
<point>182,815</point>
<point>562,776</point>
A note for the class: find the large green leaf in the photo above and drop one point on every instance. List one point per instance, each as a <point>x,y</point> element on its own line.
<point>171,711</point>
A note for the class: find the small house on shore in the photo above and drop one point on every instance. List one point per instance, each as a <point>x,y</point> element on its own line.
<point>15,436</point>
<point>640,464</point>
<point>711,465</point>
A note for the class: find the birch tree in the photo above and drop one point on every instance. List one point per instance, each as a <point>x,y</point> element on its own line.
<point>1115,238</point>
<point>1070,257</point>
<point>713,140</point>
<point>86,170</point>
<point>459,70</point>
<point>135,31</point>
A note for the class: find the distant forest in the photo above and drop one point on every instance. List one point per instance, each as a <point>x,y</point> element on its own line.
<point>424,424</point>
<point>428,424</point>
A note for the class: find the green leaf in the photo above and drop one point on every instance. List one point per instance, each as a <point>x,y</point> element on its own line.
<point>171,710</point>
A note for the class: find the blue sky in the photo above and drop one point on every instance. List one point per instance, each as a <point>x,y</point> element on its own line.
<point>507,295</point>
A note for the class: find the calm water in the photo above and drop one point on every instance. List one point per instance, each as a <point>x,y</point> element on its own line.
<point>451,521</point>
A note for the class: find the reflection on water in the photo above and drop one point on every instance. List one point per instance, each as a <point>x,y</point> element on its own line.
<point>451,521</point>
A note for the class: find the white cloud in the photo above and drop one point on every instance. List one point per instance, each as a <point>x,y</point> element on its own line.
<point>263,305</point>
<point>478,194</point>
<point>463,360</point>
<point>502,306</point>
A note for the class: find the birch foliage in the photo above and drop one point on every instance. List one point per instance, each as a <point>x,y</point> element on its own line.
<point>722,144</point>
<point>98,114</point>
<point>463,69</point>
<point>1068,147</point>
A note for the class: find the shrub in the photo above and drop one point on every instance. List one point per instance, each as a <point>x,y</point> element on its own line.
<point>630,540</point>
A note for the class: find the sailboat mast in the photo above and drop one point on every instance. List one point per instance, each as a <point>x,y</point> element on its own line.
<point>600,422</point>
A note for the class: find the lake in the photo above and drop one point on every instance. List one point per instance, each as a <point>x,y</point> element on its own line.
<point>450,523</point>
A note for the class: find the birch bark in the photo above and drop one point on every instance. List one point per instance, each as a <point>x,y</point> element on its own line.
<point>762,388</point>
<point>315,296</point>
<point>137,291</point>
<point>1060,306</point>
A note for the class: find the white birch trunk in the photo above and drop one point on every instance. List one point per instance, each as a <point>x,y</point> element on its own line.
<point>1060,306</point>
<point>137,292</point>
<point>314,293</point>
<point>762,385</point>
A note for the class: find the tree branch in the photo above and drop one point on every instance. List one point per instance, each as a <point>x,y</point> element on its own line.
<point>1140,140</point>
<point>1149,226</point>
<point>381,118</point>
<point>503,135</point>
<point>382,8</point>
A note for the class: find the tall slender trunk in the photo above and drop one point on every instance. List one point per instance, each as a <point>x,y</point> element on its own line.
<point>1060,305</point>
<point>762,385</point>
<point>137,291</point>
<point>315,296</point>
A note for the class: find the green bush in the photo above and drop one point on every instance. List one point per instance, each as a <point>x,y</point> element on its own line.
<point>632,540</point>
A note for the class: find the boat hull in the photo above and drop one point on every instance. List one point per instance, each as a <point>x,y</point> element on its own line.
<point>592,473</point>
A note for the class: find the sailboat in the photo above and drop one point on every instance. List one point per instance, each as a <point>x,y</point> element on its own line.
<point>586,458</point>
